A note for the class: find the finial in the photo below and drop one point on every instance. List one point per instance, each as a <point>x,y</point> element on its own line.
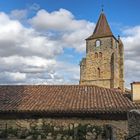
<point>102,7</point>
<point>118,37</point>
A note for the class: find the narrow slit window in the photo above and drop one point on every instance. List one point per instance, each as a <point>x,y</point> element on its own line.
<point>99,72</point>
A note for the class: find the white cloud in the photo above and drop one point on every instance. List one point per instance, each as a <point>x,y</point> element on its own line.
<point>71,32</point>
<point>19,14</point>
<point>76,39</point>
<point>30,56</point>
<point>56,20</point>
<point>22,14</point>
<point>12,77</point>
<point>34,7</point>
<point>132,54</point>
<point>17,76</point>
<point>20,40</point>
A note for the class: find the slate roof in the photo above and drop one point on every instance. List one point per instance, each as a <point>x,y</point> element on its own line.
<point>63,99</point>
<point>102,28</point>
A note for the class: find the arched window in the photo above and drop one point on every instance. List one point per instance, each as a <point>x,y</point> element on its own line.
<point>96,55</point>
<point>99,72</point>
<point>98,43</point>
<point>100,54</point>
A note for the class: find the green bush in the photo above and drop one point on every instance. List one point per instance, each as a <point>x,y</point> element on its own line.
<point>3,133</point>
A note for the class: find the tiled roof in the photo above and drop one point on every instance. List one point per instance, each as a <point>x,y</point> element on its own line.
<point>102,28</point>
<point>62,98</point>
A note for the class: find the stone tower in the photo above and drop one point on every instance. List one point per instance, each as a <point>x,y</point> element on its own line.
<point>104,62</point>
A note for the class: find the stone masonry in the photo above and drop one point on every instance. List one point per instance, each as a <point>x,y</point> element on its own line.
<point>134,123</point>
<point>118,128</point>
<point>103,65</point>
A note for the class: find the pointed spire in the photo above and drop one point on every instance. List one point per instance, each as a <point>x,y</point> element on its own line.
<point>102,28</point>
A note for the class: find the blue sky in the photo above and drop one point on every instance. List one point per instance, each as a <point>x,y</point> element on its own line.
<point>125,12</point>
<point>42,41</point>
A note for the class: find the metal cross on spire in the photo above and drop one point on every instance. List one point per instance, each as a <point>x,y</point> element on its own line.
<point>102,7</point>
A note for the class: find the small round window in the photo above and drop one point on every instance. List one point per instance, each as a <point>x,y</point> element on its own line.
<point>98,43</point>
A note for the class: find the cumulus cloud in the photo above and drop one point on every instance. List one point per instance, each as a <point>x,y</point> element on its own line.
<point>23,41</point>
<point>22,14</point>
<point>30,54</point>
<point>62,20</point>
<point>69,31</point>
<point>132,54</point>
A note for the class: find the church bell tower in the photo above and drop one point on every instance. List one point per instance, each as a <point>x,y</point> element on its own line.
<point>104,62</point>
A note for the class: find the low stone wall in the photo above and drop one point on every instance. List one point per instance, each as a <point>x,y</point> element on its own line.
<point>134,123</point>
<point>118,133</point>
<point>64,121</point>
<point>117,129</point>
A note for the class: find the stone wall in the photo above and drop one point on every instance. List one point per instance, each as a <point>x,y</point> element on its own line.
<point>121,63</point>
<point>134,123</point>
<point>115,133</point>
<point>118,128</point>
<point>64,121</point>
<point>103,65</point>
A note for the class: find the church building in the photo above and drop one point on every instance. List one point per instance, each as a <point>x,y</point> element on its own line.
<point>104,62</point>
<point>100,98</point>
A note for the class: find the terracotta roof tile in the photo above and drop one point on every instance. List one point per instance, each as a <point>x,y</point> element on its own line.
<point>63,98</point>
<point>102,28</point>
